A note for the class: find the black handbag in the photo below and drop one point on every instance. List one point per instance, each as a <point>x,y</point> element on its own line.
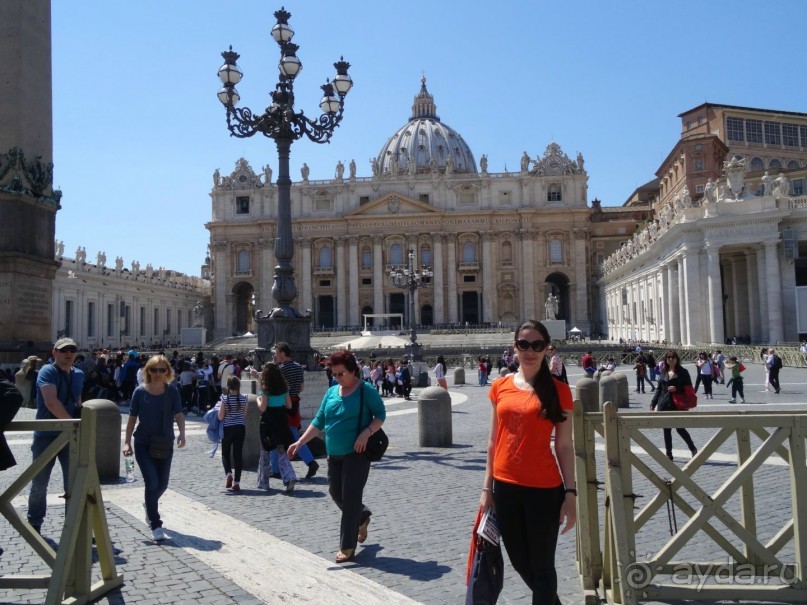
<point>378,442</point>
<point>487,574</point>
<point>161,446</point>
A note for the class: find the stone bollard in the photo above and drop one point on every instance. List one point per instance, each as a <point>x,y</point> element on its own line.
<point>459,376</point>
<point>586,389</point>
<point>434,417</point>
<point>609,391</point>
<point>622,390</point>
<point>107,439</point>
<point>252,442</point>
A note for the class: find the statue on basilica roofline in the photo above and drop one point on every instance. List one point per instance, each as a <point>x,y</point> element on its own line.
<point>101,260</point>
<point>304,172</point>
<point>216,178</point>
<point>340,170</point>
<point>81,255</point>
<point>374,164</point>
<point>267,175</point>
<point>767,184</point>
<point>483,163</point>
<point>525,162</point>
<point>710,191</point>
<point>781,186</point>
<point>580,162</point>
<point>59,249</point>
<point>352,169</point>
<point>119,265</point>
<point>449,164</point>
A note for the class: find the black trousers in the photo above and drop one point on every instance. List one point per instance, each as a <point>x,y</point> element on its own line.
<point>347,476</point>
<point>707,383</point>
<point>233,443</point>
<point>529,520</point>
<point>773,378</point>
<point>737,388</point>
<point>684,435</point>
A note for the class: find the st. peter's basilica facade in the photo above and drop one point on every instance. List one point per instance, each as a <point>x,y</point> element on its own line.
<point>498,243</point>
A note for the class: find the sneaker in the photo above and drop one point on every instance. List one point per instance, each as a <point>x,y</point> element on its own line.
<point>694,451</point>
<point>733,401</point>
<point>158,534</point>
<point>742,400</point>
<point>312,469</point>
<point>236,487</point>
<point>290,486</point>
<point>229,482</point>
<point>670,456</point>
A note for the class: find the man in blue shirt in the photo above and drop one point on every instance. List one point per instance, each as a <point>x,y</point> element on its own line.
<point>58,396</point>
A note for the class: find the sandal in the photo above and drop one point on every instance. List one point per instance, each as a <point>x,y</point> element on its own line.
<point>363,531</point>
<point>346,555</point>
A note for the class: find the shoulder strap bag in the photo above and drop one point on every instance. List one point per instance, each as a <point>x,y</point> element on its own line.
<point>378,442</point>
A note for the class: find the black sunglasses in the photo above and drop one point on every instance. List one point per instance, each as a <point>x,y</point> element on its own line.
<point>158,370</point>
<point>68,350</point>
<point>522,344</point>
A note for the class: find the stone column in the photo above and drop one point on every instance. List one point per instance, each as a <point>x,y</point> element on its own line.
<point>378,279</point>
<point>439,269</point>
<point>762,281</point>
<point>306,273</point>
<point>691,303</point>
<point>671,294</point>
<point>753,296</point>
<point>29,203</point>
<point>773,271</point>
<point>581,312</point>
<point>451,268</point>
<point>221,327</point>
<point>713,283</point>
<point>341,291</point>
<point>528,268</point>
<point>736,298</point>
<point>490,298</point>
<point>354,309</point>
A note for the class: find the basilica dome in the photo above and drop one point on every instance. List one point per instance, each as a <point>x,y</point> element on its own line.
<point>424,144</point>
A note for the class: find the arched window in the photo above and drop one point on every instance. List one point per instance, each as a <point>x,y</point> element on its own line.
<point>553,193</point>
<point>774,164</point>
<point>756,164</point>
<point>468,252</point>
<point>243,261</point>
<point>507,252</point>
<point>325,257</point>
<point>426,256</point>
<point>555,251</point>
<point>366,258</point>
<point>792,164</point>
<point>396,254</point>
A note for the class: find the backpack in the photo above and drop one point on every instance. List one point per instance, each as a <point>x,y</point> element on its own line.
<point>776,362</point>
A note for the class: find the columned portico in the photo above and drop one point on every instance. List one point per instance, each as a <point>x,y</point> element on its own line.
<point>353,266</point>
<point>753,296</point>
<point>774,292</point>
<point>528,288</point>
<point>713,285</point>
<point>341,293</point>
<point>762,280</point>
<point>439,305</point>
<point>378,277</point>
<point>451,244</point>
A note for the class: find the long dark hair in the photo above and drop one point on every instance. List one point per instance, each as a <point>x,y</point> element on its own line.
<point>272,380</point>
<point>543,382</point>
<point>442,362</point>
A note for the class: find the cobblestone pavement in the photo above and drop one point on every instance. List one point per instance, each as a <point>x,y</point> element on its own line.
<point>267,547</point>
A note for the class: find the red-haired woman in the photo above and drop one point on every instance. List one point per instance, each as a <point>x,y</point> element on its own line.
<point>346,434</point>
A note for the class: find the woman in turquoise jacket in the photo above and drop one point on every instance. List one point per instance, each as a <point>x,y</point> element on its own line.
<point>346,435</point>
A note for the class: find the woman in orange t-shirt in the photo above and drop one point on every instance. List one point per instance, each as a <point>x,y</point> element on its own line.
<point>532,490</point>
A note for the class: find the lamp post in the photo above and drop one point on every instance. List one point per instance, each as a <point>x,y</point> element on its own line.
<point>285,125</point>
<point>407,277</point>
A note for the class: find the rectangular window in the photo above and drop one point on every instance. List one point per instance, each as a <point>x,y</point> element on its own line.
<point>168,320</point>
<point>698,188</point>
<point>424,197</point>
<point>365,199</point>
<point>698,147</point>
<point>68,318</point>
<point>366,281</point>
<point>504,198</point>
<point>156,322</point>
<point>772,134</point>
<point>325,283</point>
<point>753,131</point>
<point>91,319</point>
<point>803,133</point>
<point>467,199</point>
<point>179,318</point>
<point>469,279</point>
<point>242,204</point>
<point>790,135</point>
<point>734,129</point>
<point>142,321</point>
<point>127,319</point>
<point>798,187</point>
<point>699,164</point>
<point>322,203</point>
<point>110,320</point>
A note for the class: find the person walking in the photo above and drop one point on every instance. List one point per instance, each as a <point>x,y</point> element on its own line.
<point>155,406</point>
<point>231,414</point>
<point>531,488</point>
<point>406,380</point>
<point>736,368</point>
<point>705,372</point>
<point>641,373</point>
<point>673,378</point>
<point>440,372</point>
<point>273,402</point>
<point>294,374</point>
<point>482,371</point>
<point>58,396</point>
<point>774,364</point>
<point>349,414</point>
<point>763,354</point>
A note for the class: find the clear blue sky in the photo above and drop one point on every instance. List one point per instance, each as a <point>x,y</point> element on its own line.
<point>138,130</point>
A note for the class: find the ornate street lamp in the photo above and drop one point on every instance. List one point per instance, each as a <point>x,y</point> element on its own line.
<point>407,277</point>
<point>285,125</point>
